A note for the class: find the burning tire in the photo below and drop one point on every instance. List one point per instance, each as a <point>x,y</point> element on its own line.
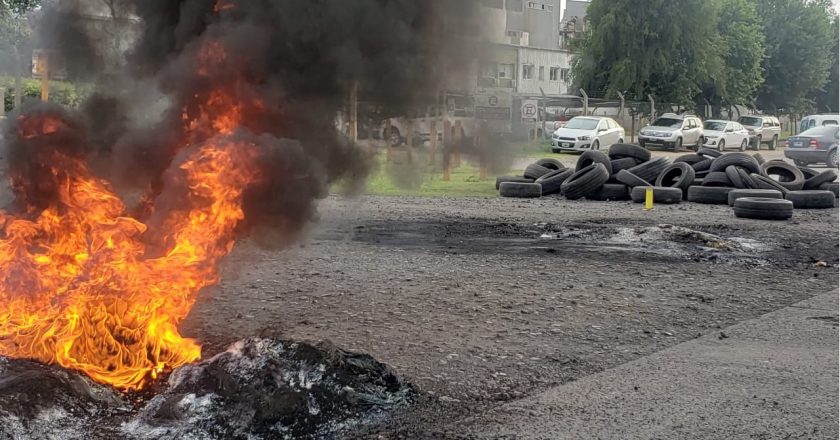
<point>513,179</point>
<point>585,181</point>
<point>610,192</point>
<point>679,175</point>
<point>535,171</point>
<point>630,179</point>
<point>520,190</point>
<point>709,195</point>
<point>591,157</point>
<point>811,199</point>
<point>552,182</point>
<point>790,176</point>
<point>763,209</point>
<point>621,151</point>
<point>762,193</point>
<point>663,195</point>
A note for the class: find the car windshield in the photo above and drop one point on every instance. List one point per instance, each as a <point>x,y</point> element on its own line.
<point>821,131</point>
<point>668,122</point>
<point>752,122</point>
<point>582,124</point>
<point>715,125</point>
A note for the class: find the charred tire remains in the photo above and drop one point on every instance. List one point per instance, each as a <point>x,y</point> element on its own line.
<point>811,199</point>
<point>665,196</point>
<point>763,209</point>
<point>520,190</point>
<point>585,181</point>
<point>762,193</point>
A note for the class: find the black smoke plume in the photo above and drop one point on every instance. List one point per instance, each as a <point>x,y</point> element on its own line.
<point>297,59</point>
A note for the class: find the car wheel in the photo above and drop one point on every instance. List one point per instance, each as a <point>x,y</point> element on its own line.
<point>832,158</point>
<point>743,145</point>
<point>721,146</point>
<point>642,144</point>
<point>758,143</point>
<point>678,144</point>
<point>700,141</point>
<point>596,145</point>
<point>774,143</point>
<point>621,141</point>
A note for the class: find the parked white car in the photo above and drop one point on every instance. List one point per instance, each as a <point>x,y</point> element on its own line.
<point>673,131</point>
<point>583,133</point>
<point>763,130</point>
<point>809,122</point>
<point>725,134</point>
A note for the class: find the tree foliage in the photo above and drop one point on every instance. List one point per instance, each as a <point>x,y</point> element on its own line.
<point>776,53</point>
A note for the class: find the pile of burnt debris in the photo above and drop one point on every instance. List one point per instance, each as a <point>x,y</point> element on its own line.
<point>258,388</point>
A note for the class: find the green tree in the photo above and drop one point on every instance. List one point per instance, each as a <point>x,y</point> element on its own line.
<point>668,48</point>
<point>799,42</point>
<point>829,98</point>
<point>742,48</point>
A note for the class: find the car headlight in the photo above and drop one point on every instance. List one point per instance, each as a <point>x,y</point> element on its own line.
<point>584,138</point>
<point>644,132</point>
<point>709,136</point>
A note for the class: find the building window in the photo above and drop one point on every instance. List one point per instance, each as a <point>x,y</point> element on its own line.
<point>554,74</point>
<point>540,6</point>
<point>542,73</point>
<point>527,71</point>
<point>564,75</point>
<point>514,5</point>
<point>506,70</point>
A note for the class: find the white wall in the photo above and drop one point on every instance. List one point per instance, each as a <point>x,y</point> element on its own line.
<point>547,59</point>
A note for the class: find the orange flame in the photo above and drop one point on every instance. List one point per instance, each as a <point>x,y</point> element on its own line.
<point>80,288</point>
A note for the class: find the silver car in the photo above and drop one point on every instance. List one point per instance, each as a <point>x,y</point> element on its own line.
<point>673,131</point>
<point>583,133</point>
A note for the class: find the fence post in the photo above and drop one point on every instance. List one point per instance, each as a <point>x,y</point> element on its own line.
<point>433,141</point>
<point>621,106</point>
<point>410,141</point>
<point>458,138</point>
<point>652,107</point>
<point>388,146</point>
<point>447,147</point>
<point>482,160</point>
<point>354,113</point>
<point>585,102</point>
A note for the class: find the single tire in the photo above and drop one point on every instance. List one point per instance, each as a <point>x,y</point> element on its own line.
<point>833,187</point>
<point>592,157</point>
<point>721,145</point>
<point>717,179</point>
<point>734,177</point>
<point>703,165</point>
<point>513,179</point>
<point>809,173</point>
<point>789,176</point>
<point>765,193</point>
<point>741,160</point>
<point>690,159</point>
<point>625,163</point>
<point>743,145</point>
<point>552,164</point>
<point>679,175</point>
<point>748,181</point>
<point>811,199</point>
<point>553,181</point>
<point>620,151</point>
<point>759,158</point>
<point>610,192</point>
<point>709,153</point>
<point>596,145</point>
<point>650,170</point>
<point>832,159</point>
<point>535,171</point>
<point>630,179</point>
<point>773,143</point>
<point>666,196</point>
<point>763,209</point>
<point>824,177</point>
<point>585,181</point>
<point>764,182</point>
<point>715,195</point>
<point>520,190</point>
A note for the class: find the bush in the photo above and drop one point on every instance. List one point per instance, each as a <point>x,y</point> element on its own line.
<point>61,92</point>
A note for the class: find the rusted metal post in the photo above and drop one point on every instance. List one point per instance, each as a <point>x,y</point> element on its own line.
<point>45,78</point>
<point>456,151</point>
<point>387,136</point>
<point>354,112</point>
<point>447,150</point>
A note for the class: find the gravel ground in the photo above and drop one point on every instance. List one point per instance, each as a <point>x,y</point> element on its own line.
<point>480,302</point>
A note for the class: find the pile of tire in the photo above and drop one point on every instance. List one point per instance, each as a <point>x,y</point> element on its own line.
<point>754,187</point>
